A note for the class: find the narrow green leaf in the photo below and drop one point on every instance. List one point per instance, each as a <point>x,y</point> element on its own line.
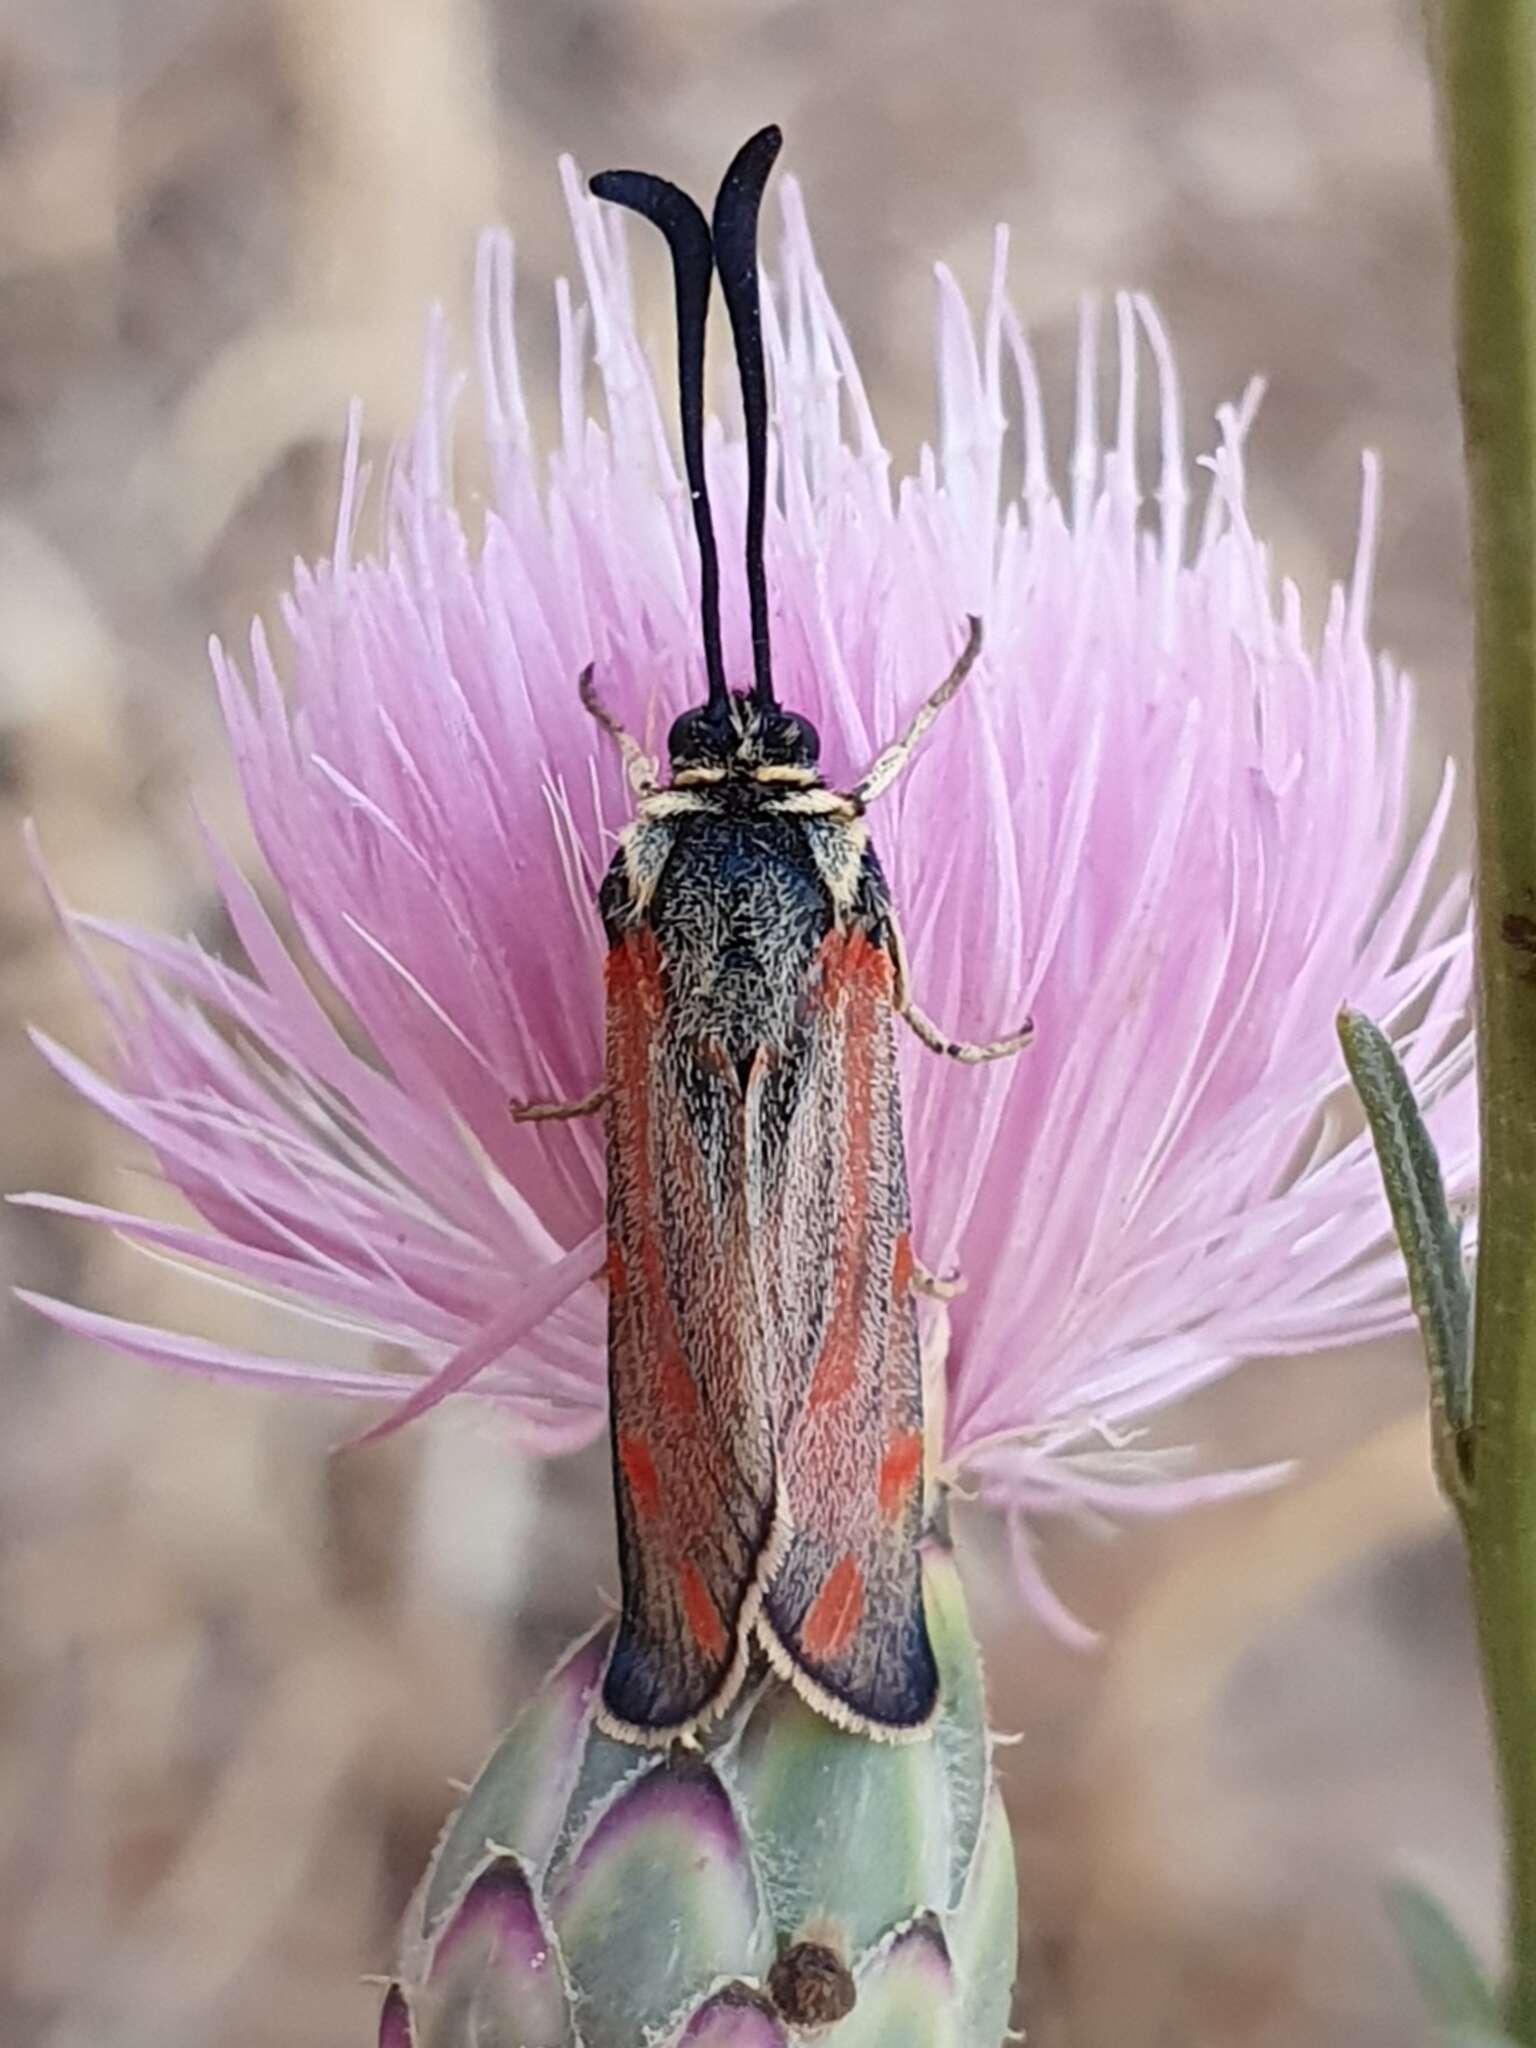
<point>1450,1976</point>
<point>1430,1240</point>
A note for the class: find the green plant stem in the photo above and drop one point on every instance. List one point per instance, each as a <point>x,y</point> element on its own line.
<point>1487,56</point>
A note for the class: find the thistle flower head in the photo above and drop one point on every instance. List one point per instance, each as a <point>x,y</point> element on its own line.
<point>784,1878</point>
<point>1163,818</point>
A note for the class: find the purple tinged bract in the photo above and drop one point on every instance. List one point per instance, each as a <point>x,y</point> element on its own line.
<point>1163,817</point>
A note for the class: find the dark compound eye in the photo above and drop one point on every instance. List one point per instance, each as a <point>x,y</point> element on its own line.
<point>707,733</point>
<point>788,740</point>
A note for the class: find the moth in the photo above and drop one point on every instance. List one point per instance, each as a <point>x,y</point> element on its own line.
<point>764,1371</point>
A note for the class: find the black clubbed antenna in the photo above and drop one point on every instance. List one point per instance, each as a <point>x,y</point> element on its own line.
<point>687,233</point>
<point>735,227</point>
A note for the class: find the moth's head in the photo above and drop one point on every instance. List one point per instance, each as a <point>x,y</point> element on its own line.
<point>741,736</point>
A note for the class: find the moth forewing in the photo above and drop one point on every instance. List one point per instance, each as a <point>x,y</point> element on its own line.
<point>844,1610</point>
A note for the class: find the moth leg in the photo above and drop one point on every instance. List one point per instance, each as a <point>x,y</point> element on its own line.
<point>888,764</point>
<point>959,1049</point>
<point>923,1025</point>
<point>558,1112</point>
<point>937,1286</point>
<point>639,766</point>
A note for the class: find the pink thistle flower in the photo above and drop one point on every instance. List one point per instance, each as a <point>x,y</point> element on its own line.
<point>1160,818</point>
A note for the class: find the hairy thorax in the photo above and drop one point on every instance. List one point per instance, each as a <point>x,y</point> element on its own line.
<point>740,886</point>
<point>738,912</point>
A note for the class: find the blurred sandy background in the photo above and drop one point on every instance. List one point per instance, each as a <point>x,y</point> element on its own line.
<point>234,1678</point>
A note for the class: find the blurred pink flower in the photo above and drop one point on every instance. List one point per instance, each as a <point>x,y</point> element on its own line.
<point>1160,818</point>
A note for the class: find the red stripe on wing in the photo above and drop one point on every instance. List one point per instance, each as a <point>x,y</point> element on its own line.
<point>639,1468</point>
<point>703,1616</point>
<point>856,981</point>
<point>899,1467</point>
<point>636,1003</point>
<point>835,1613</point>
